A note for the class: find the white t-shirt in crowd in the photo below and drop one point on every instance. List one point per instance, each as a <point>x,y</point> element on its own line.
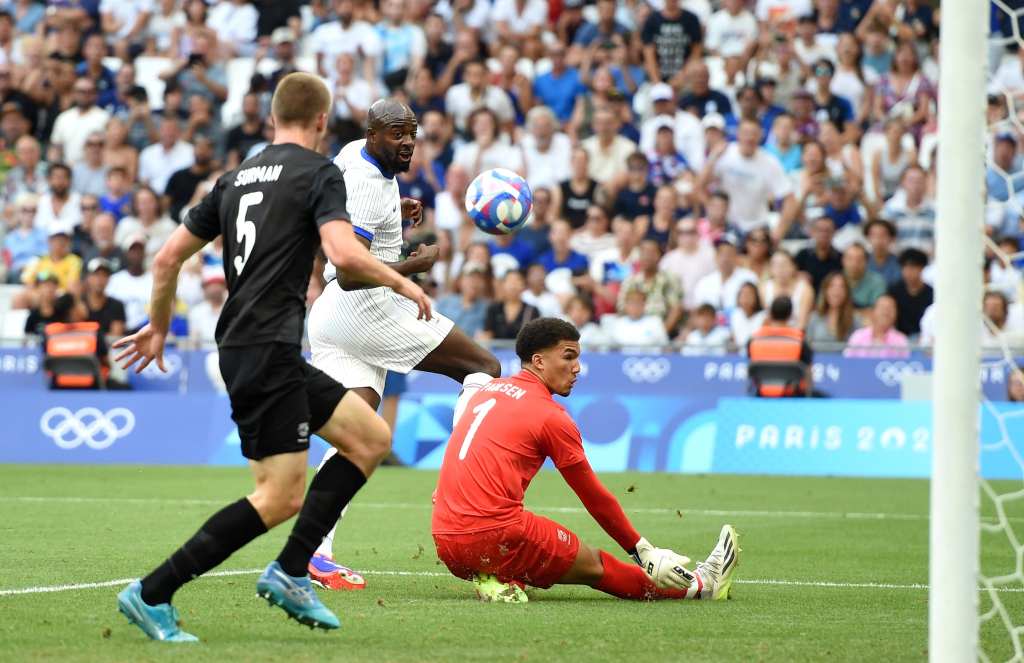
<point>156,166</point>
<point>357,93</point>
<point>729,35</point>
<point>648,331</point>
<point>330,40</point>
<point>586,244</point>
<point>156,234</point>
<point>70,215</point>
<point>722,295</point>
<point>72,128</point>
<point>134,292</point>
<point>713,343</point>
<point>607,164</point>
<point>477,17</point>
<point>127,13</point>
<point>547,169</point>
<point>235,24</point>
<point>782,11</point>
<point>689,268</point>
<point>498,155</point>
<point>202,321</point>
<point>546,303</point>
<point>822,49</point>
<point>743,327</point>
<point>687,134</point>
<point>448,213</point>
<point>535,14</point>
<point>751,184</point>
<point>460,104</point>
<point>1009,77</point>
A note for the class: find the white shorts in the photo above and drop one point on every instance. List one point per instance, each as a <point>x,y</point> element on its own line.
<point>358,336</point>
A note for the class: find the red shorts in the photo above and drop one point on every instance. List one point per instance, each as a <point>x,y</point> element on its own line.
<point>534,551</point>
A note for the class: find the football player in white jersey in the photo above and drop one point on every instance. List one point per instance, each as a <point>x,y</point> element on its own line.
<point>359,332</point>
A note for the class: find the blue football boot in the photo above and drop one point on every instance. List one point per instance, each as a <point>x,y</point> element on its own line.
<point>159,622</point>
<point>296,597</point>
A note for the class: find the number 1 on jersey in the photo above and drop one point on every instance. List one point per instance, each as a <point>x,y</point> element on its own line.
<point>480,411</point>
<point>246,230</point>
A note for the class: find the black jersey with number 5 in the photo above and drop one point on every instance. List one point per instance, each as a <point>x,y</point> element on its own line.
<point>269,211</point>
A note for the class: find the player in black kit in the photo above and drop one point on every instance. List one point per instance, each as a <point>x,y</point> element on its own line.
<point>273,211</point>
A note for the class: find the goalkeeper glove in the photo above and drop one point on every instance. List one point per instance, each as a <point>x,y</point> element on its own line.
<point>665,568</point>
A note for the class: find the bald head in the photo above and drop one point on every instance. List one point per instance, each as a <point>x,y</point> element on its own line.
<point>387,112</point>
<point>391,135</point>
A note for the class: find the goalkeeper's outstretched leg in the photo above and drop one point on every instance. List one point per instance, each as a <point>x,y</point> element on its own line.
<point>538,552</point>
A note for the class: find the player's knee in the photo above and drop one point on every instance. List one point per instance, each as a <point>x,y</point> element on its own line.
<point>489,364</point>
<point>379,440</point>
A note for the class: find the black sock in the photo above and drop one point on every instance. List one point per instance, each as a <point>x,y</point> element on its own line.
<point>225,532</point>
<point>332,488</point>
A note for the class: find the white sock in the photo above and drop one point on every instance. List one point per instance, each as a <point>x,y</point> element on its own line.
<point>471,385</point>
<point>327,545</point>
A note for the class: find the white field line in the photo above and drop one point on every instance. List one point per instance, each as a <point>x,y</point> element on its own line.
<point>551,509</point>
<point>434,574</point>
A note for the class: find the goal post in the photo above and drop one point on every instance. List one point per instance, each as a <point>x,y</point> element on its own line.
<point>954,534</point>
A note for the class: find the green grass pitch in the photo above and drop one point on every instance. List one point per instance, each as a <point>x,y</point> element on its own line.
<point>822,576</point>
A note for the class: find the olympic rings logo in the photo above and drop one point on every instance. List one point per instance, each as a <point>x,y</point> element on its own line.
<point>646,369</point>
<point>891,373</point>
<point>96,429</point>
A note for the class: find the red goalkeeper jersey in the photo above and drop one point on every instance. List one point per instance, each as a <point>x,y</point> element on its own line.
<point>506,432</point>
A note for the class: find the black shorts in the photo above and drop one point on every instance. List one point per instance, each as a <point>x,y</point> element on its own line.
<point>277,398</point>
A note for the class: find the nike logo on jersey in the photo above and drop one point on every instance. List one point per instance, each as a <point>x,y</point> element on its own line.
<point>394,209</point>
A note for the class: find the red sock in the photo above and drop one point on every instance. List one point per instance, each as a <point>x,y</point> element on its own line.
<point>627,581</point>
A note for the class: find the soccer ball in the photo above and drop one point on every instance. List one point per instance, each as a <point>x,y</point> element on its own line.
<point>499,201</point>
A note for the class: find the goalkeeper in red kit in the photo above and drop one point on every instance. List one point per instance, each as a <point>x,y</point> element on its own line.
<point>507,431</point>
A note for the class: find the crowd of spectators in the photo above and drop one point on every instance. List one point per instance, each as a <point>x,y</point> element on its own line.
<point>690,160</point>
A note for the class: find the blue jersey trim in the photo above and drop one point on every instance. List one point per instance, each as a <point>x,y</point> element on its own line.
<point>370,159</point>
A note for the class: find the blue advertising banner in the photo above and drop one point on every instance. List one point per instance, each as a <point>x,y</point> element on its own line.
<point>823,437</point>
<point>814,437</point>
<point>120,428</point>
<point>196,371</point>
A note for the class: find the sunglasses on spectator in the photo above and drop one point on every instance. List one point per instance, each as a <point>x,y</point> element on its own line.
<point>93,143</point>
<point>90,208</point>
<point>757,240</point>
<point>687,231</point>
<point>637,168</point>
<point>29,209</point>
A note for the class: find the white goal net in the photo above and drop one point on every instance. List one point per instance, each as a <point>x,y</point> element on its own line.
<point>1001,559</point>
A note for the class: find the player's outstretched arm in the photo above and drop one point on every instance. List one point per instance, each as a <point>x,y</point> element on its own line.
<point>419,261</point>
<point>665,568</point>
<point>351,256</point>
<point>148,343</point>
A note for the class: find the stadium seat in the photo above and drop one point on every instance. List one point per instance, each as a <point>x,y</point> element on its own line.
<point>12,326</point>
<point>147,75</point>
<point>785,374</point>
<point>240,71</point>
<point>7,292</point>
